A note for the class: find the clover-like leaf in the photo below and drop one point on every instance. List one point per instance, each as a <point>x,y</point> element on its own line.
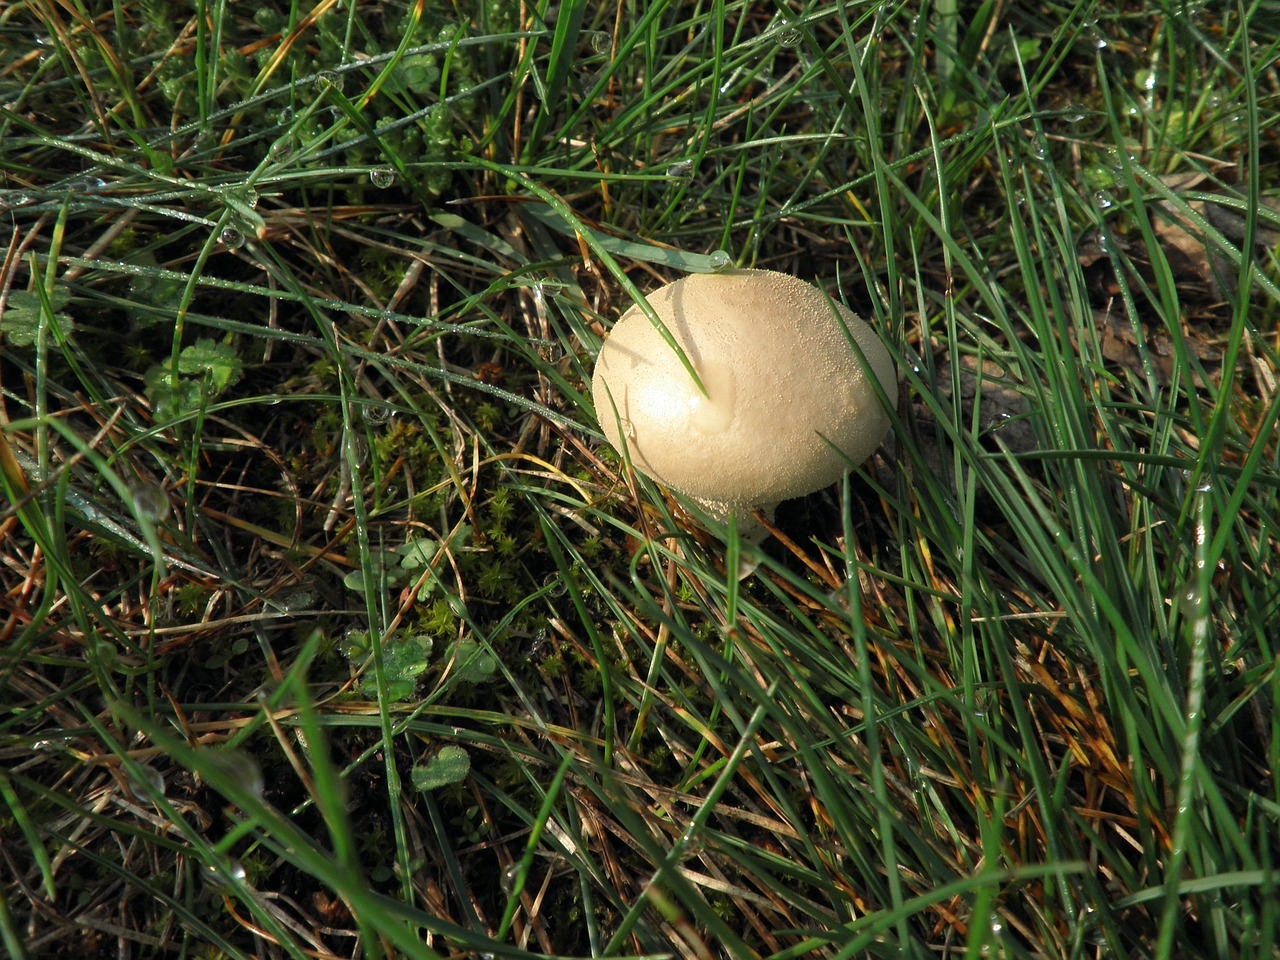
<point>216,361</point>
<point>450,765</point>
<point>418,553</point>
<point>404,660</point>
<point>170,398</point>
<point>153,289</point>
<point>472,663</point>
<point>21,321</point>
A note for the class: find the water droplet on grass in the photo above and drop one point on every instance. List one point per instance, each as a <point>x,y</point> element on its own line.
<point>359,450</point>
<point>1190,598</point>
<point>790,36</point>
<point>720,260</point>
<point>329,78</point>
<point>231,238</point>
<point>235,768</point>
<point>681,170</point>
<point>231,875</point>
<point>146,782</point>
<point>601,42</point>
<point>85,185</point>
<point>382,177</point>
<point>509,877</point>
<point>150,502</point>
<point>692,842</point>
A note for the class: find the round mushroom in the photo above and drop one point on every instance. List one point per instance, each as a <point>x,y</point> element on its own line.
<point>788,405</point>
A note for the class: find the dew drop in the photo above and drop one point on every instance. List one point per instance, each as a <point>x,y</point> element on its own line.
<point>230,875</point>
<point>628,429</point>
<point>1074,113</point>
<point>146,782</point>
<point>237,768</point>
<point>1038,150</point>
<point>250,198</point>
<point>382,177</point>
<point>150,502</point>
<point>790,36</point>
<point>555,586</point>
<point>329,78</point>
<point>299,598</point>
<point>377,416</point>
<point>601,42</point>
<point>1189,598</point>
<point>994,948</point>
<point>359,450</point>
<point>86,185</point>
<point>681,170</point>
<point>692,842</point>
<point>47,745</point>
<point>719,260</point>
<point>1103,200</point>
<point>509,877</point>
<point>285,115</point>
<point>231,238</point>
<point>916,775</point>
<point>281,147</point>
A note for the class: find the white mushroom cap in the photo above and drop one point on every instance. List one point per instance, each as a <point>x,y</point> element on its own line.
<point>788,407</point>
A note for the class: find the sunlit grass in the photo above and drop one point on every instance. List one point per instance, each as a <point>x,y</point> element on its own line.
<point>305,491</point>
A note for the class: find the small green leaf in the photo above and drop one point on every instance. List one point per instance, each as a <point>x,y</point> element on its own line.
<point>157,290</point>
<point>448,766</point>
<point>217,361</point>
<point>214,364</point>
<point>404,660</point>
<point>21,321</point>
<point>418,553</point>
<point>472,663</point>
<point>170,400</point>
<point>383,570</point>
<point>354,581</point>
<point>354,645</point>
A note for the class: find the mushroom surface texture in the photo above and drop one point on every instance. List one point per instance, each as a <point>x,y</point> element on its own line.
<point>789,406</point>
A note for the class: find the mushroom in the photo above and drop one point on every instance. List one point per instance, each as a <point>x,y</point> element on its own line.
<point>787,405</point>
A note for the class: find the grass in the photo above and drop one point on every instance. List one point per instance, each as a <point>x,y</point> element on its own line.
<point>331,628</point>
